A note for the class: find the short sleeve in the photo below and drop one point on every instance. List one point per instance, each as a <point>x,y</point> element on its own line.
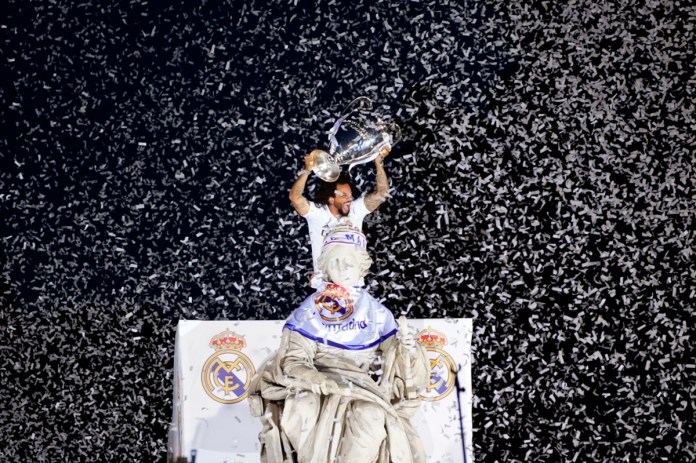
<point>312,212</point>
<point>389,326</point>
<point>359,209</point>
<point>385,319</point>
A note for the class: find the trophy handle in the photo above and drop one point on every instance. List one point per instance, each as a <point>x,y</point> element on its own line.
<point>394,132</point>
<point>361,103</point>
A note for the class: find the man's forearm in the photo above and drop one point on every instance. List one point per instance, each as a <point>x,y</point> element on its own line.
<point>381,180</point>
<point>299,186</point>
<point>296,193</point>
<point>377,197</point>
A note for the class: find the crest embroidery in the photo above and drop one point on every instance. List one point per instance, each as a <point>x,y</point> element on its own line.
<point>227,373</point>
<point>443,370</point>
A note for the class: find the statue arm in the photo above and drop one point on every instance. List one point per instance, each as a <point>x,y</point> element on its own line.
<point>414,356</point>
<point>420,367</point>
<point>377,197</point>
<point>298,356</point>
<point>406,368</point>
<point>298,365</point>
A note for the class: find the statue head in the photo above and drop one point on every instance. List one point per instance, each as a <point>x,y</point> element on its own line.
<point>344,259</point>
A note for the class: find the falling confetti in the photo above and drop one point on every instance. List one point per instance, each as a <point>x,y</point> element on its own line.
<point>543,186</point>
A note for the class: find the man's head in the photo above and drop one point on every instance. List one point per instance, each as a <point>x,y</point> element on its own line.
<point>340,202</point>
<point>337,195</point>
<point>344,259</point>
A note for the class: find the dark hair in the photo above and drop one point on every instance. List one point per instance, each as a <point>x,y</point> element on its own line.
<point>325,190</point>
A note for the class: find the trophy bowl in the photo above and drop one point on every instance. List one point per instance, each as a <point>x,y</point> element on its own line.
<point>356,137</point>
<point>325,167</point>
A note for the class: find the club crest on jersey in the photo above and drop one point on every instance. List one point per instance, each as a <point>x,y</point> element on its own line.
<point>227,373</point>
<point>334,304</point>
<point>442,366</point>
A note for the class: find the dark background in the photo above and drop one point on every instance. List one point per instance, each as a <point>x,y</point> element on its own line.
<point>544,187</point>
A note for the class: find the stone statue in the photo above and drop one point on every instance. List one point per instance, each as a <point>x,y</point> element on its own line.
<point>344,383</point>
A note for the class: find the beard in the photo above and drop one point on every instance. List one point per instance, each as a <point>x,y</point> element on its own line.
<point>344,210</point>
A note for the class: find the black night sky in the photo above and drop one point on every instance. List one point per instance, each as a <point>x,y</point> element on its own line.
<point>543,186</point>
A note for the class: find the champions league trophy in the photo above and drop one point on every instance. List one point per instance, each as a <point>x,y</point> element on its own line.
<point>356,137</point>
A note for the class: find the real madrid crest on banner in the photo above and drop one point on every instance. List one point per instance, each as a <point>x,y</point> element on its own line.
<point>442,366</point>
<point>227,373</point>
<point>334,304</point>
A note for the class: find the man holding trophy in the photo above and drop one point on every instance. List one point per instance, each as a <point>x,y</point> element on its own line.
<point>343,385</point>
<point>357,137</point>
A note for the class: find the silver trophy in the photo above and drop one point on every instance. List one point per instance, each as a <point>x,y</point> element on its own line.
<point>357,137</point>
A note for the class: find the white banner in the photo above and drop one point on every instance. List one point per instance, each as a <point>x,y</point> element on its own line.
<point>215,361</point>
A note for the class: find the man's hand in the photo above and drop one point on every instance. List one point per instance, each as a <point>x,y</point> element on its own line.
<point>383,153</point>
<point>310,161</point>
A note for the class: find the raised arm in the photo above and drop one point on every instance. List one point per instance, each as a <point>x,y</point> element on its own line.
<point>299,202</point>
<point>377,197</point>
